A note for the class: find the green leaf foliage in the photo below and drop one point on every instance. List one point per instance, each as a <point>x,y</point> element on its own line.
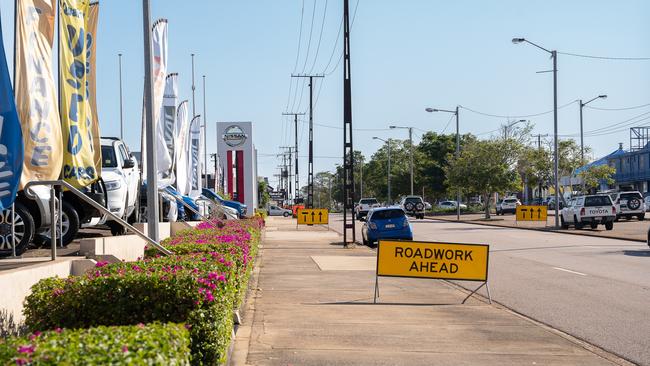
<point>151,344</point>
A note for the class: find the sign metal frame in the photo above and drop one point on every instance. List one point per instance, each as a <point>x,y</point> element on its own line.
<point>483,283</point>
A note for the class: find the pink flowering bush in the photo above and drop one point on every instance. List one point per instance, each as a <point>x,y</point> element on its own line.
<point>199,285</point>
<point>163,344</point>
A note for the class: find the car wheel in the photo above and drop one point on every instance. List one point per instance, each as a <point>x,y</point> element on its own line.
<point>593,225</point>
<point>578,224</point>
<point>69,224</point>
<point>116,228</point>
<point>408,206</point>
<point>286,214</point>
<point>609,225</point>
<point>563,223</point>
<point>23,226</point>
<point>641,217</point>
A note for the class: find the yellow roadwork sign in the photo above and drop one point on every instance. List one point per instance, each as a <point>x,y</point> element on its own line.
<point>532,213</point>
<point>313,216</point>
<point>432,260</point>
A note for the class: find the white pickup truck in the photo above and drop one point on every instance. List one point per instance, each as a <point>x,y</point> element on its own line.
<point>364,206</point>
<point>589,210</point>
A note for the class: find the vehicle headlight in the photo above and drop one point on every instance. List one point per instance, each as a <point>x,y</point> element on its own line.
<point>372,225</point>
<point>113,185</point>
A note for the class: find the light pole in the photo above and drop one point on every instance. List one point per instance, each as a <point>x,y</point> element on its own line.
<point>454,112</point>
<point>388,179</point>
<point>582,145</point>
<point>119,55</point>
<point>410,150</point>
<point>509,125</point>
<point>555,152</point>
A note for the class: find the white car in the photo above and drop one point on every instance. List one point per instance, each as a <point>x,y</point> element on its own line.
<point>274,210</point>
<point>122,179</point>
<point>629,204</point>
<point>364,206</point>
<point>413,206</point>
<point>589,210</point>
<point>451,205</point>
<point>508,205</point>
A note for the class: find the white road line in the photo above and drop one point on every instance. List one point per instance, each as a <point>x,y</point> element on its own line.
<point>570,271</point>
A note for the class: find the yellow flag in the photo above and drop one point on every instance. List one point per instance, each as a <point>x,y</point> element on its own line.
<point>91,29</point>
<point>76,116</point>
<point>36,91</point>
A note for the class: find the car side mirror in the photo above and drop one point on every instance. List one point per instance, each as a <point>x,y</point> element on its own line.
<point>128,164</point>
<point>363,219</point>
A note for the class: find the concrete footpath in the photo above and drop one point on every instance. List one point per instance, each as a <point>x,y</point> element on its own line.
<point>311,304</point>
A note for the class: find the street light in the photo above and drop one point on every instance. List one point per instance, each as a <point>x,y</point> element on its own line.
<point>509,126</point>
<point>411,150</point>
<point>582,146</point>
<point>455,112</point>
<point>555,152</point>
<point>388,179</point>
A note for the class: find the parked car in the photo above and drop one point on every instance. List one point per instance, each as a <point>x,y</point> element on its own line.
<point>241,208</point>
<point>507,205</point>
<point>427,206</point>
<point>628,204</point>
<point>589,210</point>
<point>274,210</point>
<point>451,205</point>
<point>386,223</point>
<point>122,179</point>
<point>171,209</point>
<point>364,206</point>
<point>550,202</point>
<point>413,206</point>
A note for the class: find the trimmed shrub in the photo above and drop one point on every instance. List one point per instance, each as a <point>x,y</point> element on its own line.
<point>152,344</point>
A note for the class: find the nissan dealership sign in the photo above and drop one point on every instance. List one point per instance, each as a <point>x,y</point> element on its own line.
<point>234,136</point>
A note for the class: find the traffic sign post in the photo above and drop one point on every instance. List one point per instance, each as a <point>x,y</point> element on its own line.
<point>313,216</point>
<point>532,213</point>
<point>434,260</point>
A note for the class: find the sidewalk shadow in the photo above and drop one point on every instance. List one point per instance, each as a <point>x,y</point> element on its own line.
<point>638,253</point>
<point>370,302</point>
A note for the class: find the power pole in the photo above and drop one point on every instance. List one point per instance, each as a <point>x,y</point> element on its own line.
<point>289,153</point>
<point>295,150</point>
<point>310,168</point>
<point>348,147</point>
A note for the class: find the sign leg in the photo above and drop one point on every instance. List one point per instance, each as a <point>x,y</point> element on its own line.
<point>376,289</point>
<point>473,292</point>
<point>487,287</point>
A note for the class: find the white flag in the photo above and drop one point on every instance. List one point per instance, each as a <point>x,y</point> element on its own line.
<point>158,75</point>
<point>165,132</point>
<point>182,149</point>
<point>195,157</point>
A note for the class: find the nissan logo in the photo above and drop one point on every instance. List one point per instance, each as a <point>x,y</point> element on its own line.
<point>234,136</point>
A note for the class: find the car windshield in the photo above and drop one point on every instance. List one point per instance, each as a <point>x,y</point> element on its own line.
<point>387,214</point>
<point>627,196</point>
<point>109,160</point>
<point>597,201</point>
<point>369,201</point>
<point>512,200</point>
<point>413,199</point>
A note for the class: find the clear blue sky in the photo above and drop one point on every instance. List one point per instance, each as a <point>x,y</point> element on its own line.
<point>405,56</point>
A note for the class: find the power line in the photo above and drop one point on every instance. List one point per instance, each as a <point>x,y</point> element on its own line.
<point>618,109</point>
<point>354,16</point>
<point>447,125</point>
<point>515,116</point>
<point>295,65</point>
<point>320,37</point>
<point>311,30</point>
<point>605,57</point>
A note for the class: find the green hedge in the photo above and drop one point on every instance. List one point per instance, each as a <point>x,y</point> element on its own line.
<point>152,344</point>
<point>199,285</point>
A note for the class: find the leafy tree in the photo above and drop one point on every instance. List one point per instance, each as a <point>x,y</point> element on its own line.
<point>593,176</point>
<point>484,167</point>
<point>263,192</point>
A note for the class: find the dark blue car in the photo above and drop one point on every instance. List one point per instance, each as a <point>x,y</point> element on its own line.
<point>386,223</point>
<point>241,208</point>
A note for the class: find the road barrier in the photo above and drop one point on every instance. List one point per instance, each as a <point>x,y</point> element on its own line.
<point>434,260</point>
<point>531,213</point>
<point>313,216</point>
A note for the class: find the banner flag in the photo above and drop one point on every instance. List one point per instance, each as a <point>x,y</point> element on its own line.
<point>182,148</point>
<point>11,138</point>
<point>36,101</point>
<point>159,73</point>
<point>91,35</point>
<point>76,116</point>
<point>165,132</point>
<point>195,157</point>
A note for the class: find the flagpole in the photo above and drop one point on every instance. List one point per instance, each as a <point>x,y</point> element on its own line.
<point>205,139</point>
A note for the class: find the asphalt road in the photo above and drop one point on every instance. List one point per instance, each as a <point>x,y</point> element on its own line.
<point>595,289</point>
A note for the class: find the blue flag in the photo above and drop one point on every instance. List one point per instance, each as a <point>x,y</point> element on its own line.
<point>11,137</point>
